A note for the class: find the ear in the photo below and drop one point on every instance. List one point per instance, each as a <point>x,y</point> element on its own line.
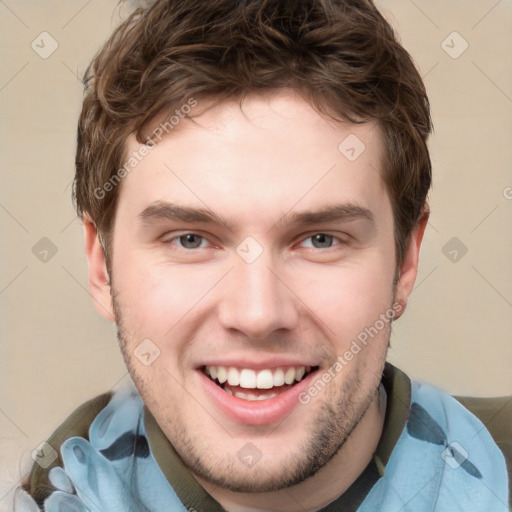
<point>99,283</point>
<point>409,268</point>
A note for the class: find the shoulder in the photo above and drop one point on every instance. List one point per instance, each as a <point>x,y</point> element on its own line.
<point>494,412</point>
<point>37,483</point>
<point>496,415</point>
<point>474,424</point>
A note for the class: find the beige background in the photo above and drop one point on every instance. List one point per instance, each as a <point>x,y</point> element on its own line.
<point>56,351</point>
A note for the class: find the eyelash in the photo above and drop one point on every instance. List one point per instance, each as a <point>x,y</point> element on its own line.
<point>177,237</point>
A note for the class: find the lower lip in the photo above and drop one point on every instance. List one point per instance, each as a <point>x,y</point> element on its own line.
<point>255,412</point>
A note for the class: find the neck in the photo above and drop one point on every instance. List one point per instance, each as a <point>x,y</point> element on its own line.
<point>333,479</point>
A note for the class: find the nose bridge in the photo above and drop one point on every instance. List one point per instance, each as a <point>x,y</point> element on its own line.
<point>256,301</point>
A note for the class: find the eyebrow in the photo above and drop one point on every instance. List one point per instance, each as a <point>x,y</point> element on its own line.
<point>163,210</point>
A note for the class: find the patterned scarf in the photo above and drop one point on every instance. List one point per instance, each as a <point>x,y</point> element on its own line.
<point>444,461</point>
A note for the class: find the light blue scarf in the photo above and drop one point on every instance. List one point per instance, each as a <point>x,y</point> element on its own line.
<point>444,461</point>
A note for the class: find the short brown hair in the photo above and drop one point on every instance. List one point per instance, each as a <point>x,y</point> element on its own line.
<point>341,55</point>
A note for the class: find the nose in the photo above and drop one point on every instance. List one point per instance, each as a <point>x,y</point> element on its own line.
<point>257,300</point>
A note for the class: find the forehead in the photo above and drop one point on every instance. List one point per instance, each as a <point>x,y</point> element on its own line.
<point>273,152</point>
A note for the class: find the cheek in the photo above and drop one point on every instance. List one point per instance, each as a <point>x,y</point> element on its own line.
<point>156,297</point>
<point>347,299</point>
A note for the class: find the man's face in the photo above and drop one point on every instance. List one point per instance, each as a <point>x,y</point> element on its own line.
<point>261,296</point>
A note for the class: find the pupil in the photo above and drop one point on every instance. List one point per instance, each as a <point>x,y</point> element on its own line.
<point>322,239</point>
<point>189,239</point>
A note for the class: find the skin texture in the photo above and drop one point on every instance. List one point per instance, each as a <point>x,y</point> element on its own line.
<point>255,168</point>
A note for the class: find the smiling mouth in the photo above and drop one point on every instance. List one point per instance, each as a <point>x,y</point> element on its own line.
<point>252,385</point>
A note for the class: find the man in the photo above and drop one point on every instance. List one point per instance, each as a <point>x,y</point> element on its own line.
<point>252,177</point>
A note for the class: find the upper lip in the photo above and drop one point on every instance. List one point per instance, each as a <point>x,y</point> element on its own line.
<point>256,363</point>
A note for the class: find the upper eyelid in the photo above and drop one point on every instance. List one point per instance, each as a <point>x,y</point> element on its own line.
<point>183,233</point>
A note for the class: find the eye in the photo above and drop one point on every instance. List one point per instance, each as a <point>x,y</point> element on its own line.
<point>321,240</point>
<point>187,241</point>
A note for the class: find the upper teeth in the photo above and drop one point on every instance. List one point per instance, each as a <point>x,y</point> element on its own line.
<point>250,379</point>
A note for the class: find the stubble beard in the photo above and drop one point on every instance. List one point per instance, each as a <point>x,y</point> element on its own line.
<point>329,432</point>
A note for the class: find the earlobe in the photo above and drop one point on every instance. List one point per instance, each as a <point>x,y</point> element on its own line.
<point>99,283</point>
<point>409,268</point>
